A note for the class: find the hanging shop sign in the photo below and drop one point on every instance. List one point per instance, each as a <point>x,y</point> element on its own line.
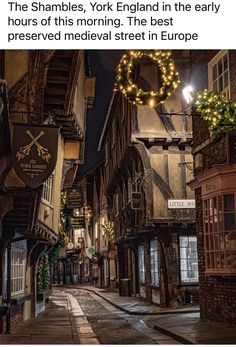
<point>78,222</point>
<point>34,152</point>
<point>70,245</point>
<point>90,251</point>
<point>179,204</point>
<point>74,198</point>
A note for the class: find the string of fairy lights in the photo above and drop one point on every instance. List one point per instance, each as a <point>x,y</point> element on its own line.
<point>214,107</point>
<point>137,96</point>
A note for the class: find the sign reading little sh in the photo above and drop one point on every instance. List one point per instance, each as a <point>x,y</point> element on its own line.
<point>34,152</point>
<point>179,204</point>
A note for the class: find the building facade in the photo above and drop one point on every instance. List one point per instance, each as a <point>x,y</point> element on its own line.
<point>214,187</point>
<point>147,165</point>
<point>43,95</point>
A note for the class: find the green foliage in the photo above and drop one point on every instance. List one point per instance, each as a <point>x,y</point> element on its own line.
<point>218,111</point>
<point>53,254</point>
<point>43,275</point>
<point>63,239</point>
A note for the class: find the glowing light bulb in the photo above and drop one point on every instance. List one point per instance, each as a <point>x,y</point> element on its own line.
<point>151,102</point>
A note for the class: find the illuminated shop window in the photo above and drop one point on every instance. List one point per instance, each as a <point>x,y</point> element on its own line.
<point>154,260</point>
<point>220,234</point>
<point>141,264</point>
<point>188,259</point>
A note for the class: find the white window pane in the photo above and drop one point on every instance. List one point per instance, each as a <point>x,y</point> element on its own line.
<point>188,259</point>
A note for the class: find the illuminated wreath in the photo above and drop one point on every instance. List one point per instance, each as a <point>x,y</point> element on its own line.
<point>136,95</point>
<point>217,110</point>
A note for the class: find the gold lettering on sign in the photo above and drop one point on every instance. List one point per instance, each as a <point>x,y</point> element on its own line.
<point>25,150</point>
<point>210,186</point>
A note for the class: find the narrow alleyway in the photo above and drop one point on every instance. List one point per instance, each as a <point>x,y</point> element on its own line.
<point>75,316</point>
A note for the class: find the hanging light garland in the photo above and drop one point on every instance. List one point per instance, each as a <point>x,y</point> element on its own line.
<point>126,85</point>
<point>218,110</point>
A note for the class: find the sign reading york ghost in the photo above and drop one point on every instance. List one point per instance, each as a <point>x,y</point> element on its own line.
<point>34,152</point>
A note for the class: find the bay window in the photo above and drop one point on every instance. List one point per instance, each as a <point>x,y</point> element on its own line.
<point>220,234</point>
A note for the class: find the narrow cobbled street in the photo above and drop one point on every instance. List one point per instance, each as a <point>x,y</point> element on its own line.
<point>75,316</point>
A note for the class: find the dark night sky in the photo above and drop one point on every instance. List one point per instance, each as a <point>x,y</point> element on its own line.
<point>102,65</point>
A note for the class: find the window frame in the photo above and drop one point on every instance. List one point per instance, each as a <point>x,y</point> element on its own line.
<point>18,271</point>
<point>214,62</point>
<point>184,282</point>
<point>217,248</point>
<point>48,189</point>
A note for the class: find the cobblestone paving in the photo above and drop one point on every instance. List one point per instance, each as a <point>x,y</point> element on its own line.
<point>75,316</point>
<point>113,326</point>
<point>109,327</point>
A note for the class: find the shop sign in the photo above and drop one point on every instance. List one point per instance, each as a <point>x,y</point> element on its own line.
<point>179,204</point>
<point>91,250</point>
<point>74,198</point>
<point>34,152</point>
<point>78,222</point>
<point>70,245</point>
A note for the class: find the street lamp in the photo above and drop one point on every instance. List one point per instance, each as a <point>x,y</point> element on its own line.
<point>187,93</point>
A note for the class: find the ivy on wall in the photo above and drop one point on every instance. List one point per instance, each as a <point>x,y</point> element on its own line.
<point>43,275</point>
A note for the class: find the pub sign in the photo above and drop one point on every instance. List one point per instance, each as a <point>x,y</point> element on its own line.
<point>34,152</point>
